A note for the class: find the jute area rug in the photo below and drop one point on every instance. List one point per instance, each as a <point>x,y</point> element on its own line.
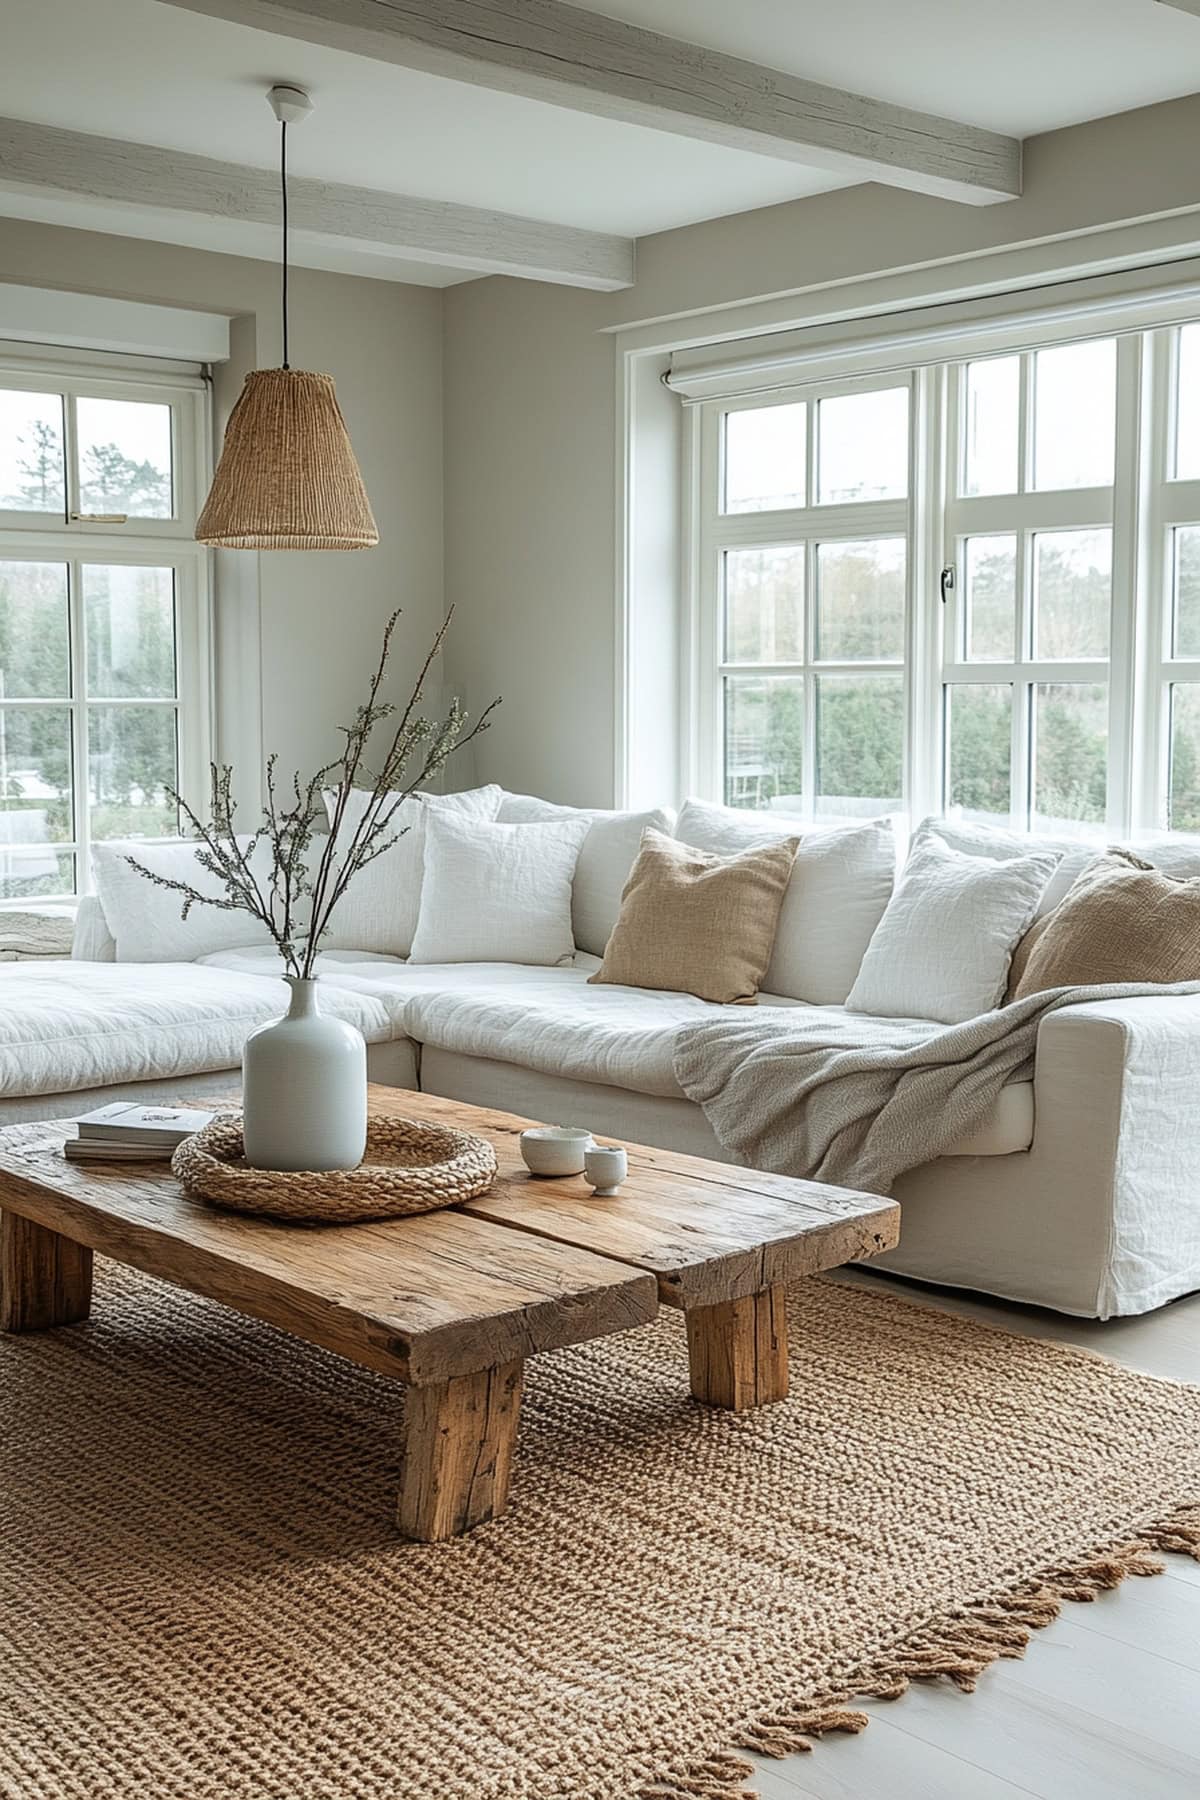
<point>203,1597</point>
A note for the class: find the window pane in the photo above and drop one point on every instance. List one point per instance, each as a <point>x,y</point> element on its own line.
<point>764,605</point>
<point>993,423</point>
<point>1072,593</point>
<point>863,446</point>
<point>764,739</point>
<point>31,451</point>
<point>34,641</point>
<point>1183,811</point>
<point>130,620</point>
<point>1185,634</point>
<point>30,872</point>
<point>35,775</point>
<point>1075,415</point>
<point>124,458</point>
<point>979,750</point>
<point>991,599</point>
<point>131,759</point>
<point>860,744</point>
<point>765,457</point>
<point>1187,414</point>
<point>1070,753</point>
<point>860,601</point>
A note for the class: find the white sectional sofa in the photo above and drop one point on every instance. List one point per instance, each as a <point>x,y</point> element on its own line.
<point>1079,1192</point>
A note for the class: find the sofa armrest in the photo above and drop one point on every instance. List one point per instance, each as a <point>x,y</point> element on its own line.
<point>1116,1086</point>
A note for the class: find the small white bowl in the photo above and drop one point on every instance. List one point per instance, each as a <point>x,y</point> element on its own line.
<point>555,1149</point>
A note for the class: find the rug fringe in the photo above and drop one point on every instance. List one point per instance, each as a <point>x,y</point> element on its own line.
<point>956,1648</point>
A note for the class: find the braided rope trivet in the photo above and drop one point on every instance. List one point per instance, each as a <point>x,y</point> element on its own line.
<point>410,1166</point>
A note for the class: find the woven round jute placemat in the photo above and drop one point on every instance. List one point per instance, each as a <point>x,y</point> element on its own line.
<point>410,1166</point>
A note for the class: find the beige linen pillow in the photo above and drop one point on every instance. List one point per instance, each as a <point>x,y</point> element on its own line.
<point>698,924</point>
<point>1123,920</point>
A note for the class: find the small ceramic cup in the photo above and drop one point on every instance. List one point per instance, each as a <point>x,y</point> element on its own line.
<point>555,1149</point>
<point>607,1166</point>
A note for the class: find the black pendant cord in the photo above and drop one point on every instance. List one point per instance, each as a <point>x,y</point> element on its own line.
<point>283,187</point>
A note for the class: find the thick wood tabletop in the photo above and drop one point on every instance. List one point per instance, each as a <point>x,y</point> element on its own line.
<point>424,1299</point>
<point>707,1231</point>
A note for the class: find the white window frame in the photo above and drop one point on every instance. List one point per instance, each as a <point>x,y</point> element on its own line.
<point>73,540</point>
<point>1144,506</point>
<point>812,525</point>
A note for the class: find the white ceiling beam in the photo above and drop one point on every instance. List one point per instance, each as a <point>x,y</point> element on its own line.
<point>142,176</point>
<point>543,50</point>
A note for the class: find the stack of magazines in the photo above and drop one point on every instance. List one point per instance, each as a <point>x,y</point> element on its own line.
<point>127,1133</point>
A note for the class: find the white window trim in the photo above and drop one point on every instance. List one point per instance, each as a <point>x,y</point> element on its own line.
<point>32,536</point>
<point>1145,504</point>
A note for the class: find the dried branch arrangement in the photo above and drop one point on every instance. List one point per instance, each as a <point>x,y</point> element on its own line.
<point>285,874</point>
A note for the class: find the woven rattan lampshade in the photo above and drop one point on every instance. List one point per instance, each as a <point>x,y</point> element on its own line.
<point>287,478</point>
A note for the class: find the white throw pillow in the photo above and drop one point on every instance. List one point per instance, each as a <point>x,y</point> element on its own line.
<point>608,854</point>
<point>93,941</point>
<point>145,920</point>
<point>840,885</point>
<point>379,908</point>
<point>497,893</point>
<point>1000,845</point>
<point>944,944</point>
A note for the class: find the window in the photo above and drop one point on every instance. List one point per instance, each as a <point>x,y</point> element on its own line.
<point>807,572</point>
<point>971,587</point>
<point>103,615</point>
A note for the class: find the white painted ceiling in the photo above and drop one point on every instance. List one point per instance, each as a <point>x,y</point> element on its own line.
<point>157,75</point>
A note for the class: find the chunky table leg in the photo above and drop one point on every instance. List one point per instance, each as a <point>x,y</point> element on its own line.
<point>738,1350</point>
<point>458,1454</point>
<point>45,1278</point>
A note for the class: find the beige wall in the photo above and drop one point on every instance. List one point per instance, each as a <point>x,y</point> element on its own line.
<point>530,412</point>
<point>321,615</point>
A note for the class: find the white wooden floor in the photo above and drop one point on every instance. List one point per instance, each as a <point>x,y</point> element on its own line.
<point>1105,1704</point>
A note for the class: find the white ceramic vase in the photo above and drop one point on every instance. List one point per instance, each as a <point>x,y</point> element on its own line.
<point>304,1089</point>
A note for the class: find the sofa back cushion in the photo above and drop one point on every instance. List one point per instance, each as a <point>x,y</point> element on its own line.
<point>694,923</point>
<point>93,941</point>
<point>608,854</point>
<point>146,920</point>
<point>1122,921</point>
<point>840,884</point>
<point>943,946</point>
<point>497,893</point>
<point>999,845</point>
<point>380,907</point>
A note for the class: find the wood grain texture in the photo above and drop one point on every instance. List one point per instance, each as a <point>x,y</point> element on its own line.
<point>423,1299</point>
<point>462,237</point>
<point>543,50</point>
<point>738,1351</point>
<point>706,1230</point>
<point>45,1279</point>
<point>458,1453</point>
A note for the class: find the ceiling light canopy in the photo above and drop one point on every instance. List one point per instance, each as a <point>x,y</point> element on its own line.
<point>287,478</point>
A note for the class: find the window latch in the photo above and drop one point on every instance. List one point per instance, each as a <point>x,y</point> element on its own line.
<point>101,518</point>
<point>946,582</point>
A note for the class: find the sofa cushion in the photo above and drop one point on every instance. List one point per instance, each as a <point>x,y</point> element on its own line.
<point>1122,921</point>
<point>1001,845</point>
<point>497,893</point>
<point>380,907</point>
<point>697,923</point>
<point>944,944</point>
<point>71,1025</point>
<point>147,921</point>
<point>607,856</point>
<point>840,884</point>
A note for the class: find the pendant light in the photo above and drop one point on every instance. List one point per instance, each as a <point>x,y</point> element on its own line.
<point>287,478</point>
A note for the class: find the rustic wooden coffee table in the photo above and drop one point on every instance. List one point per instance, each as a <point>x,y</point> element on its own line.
<point>452,1302</point>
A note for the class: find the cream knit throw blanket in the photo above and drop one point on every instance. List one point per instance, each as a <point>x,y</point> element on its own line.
<point>855,1100</point>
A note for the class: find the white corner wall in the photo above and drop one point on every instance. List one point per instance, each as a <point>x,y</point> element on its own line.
<point>298,633</point>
